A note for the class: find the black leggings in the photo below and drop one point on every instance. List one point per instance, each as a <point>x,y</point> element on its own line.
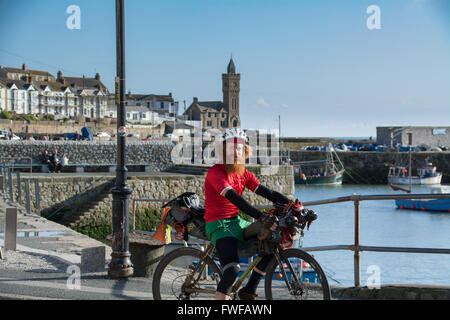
<point>227,251</point>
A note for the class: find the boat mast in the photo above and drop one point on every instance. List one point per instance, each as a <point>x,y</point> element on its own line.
<point>410,173</point>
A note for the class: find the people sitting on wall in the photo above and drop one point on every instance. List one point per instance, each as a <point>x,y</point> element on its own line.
<point>45,158</point>
<point>55,162</point>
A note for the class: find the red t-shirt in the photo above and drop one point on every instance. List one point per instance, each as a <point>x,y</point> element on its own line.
<point>217,180</point>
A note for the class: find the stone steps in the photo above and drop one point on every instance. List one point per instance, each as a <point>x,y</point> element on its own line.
<point>89,206</point>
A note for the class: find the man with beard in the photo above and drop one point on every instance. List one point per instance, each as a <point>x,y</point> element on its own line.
<point>224,185</point>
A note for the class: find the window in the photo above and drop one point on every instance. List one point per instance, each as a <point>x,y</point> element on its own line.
<point>439,131</point>
<point>162,105</point>
<point>128,115</point>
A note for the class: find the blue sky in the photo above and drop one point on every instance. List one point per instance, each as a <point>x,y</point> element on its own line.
<point>313,62</point>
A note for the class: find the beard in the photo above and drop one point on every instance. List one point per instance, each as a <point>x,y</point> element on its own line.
<point>238,168</point>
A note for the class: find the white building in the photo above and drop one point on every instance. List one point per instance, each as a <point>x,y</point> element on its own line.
<point>3,93</point>
<point>162,104</point>
<point>38,92</point>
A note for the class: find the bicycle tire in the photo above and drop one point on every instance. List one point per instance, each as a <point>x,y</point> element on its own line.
<point>169,269</point>
<point>276,288</point>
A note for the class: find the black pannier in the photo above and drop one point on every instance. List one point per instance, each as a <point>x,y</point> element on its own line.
<point>185,210</point>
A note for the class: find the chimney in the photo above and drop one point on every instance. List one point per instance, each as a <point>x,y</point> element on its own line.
<point>195,100</point>
<point>97,76</point>
<point>24,67</point>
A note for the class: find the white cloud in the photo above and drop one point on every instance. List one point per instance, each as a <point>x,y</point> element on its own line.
<point>261,102</point>
<point>418,3</point>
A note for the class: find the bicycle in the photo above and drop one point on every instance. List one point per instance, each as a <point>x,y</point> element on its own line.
<point>188,273</point>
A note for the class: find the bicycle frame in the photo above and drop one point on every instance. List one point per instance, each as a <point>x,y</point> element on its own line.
<point>202,264</point>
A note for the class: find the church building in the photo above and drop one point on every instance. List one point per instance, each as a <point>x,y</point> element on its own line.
<point>219,114</point>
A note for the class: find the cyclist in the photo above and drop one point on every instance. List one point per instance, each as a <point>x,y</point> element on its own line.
<point>224,185</point>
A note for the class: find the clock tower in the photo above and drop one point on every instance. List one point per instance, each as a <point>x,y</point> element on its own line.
<point>230,88</point>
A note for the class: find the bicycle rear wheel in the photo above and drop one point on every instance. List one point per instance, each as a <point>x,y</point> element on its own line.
<point>174,278</point>
<point>304,280</point>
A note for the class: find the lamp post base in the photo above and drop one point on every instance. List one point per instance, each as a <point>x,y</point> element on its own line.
<point>120,265</point>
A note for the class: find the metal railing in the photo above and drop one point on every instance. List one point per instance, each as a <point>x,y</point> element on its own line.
<point>356,246</point>
<point>7,186</point>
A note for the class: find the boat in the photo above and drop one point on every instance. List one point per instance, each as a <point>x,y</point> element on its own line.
<point>426,175</point>
<point>439,205</point>
<point>320,172</point>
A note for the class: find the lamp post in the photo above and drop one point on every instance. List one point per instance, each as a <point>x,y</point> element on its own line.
<point>120,265</point>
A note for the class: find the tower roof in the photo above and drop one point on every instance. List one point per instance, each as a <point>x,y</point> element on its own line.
<point>231,67</point>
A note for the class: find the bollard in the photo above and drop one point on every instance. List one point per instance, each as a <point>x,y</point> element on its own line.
<point>93,259</point>
<point>11,229</point>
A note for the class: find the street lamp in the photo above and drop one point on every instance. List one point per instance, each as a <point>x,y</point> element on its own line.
<point>120,265</point>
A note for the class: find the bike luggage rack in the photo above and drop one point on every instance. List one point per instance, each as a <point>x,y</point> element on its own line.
<point>356,246</point>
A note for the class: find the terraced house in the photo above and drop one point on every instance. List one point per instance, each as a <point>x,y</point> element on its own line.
<point>35,92</point>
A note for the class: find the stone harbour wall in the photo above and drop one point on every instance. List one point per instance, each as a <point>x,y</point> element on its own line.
<point>94,152</point>
<point>170,186</point>
<point>57,190</point>
<point>371,167</point>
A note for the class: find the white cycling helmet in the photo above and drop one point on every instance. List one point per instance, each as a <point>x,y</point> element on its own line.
<point>235,133</point>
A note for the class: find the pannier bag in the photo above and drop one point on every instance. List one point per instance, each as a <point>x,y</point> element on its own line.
<point>186,216</point>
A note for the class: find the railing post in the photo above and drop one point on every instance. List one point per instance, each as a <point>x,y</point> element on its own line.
<point>11,196</point>
<point>134,215</point>
<point>27,195</point>
<point>19,189</point>
<point>356,257</point>
<point>37,196</point>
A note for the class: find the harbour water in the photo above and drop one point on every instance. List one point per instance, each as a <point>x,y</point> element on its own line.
<point>381,224</point>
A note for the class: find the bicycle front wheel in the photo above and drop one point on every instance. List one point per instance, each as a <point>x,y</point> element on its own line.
<point>178,276</point>
<point>299,277</point>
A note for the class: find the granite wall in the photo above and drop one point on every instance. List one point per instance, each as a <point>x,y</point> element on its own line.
<point>57,190</point>
<point>95,152</point>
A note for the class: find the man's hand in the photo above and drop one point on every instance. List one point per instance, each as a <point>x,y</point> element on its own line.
<point>270,222</point>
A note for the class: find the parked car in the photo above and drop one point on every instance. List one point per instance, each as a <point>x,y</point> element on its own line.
<point>103,135</point>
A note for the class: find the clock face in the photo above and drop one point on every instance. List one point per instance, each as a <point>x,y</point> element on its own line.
<point>234,84</point>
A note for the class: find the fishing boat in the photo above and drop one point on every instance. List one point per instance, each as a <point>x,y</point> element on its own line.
<point>426,175</point>
<point>329,171</point>
<point>440,205</point>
